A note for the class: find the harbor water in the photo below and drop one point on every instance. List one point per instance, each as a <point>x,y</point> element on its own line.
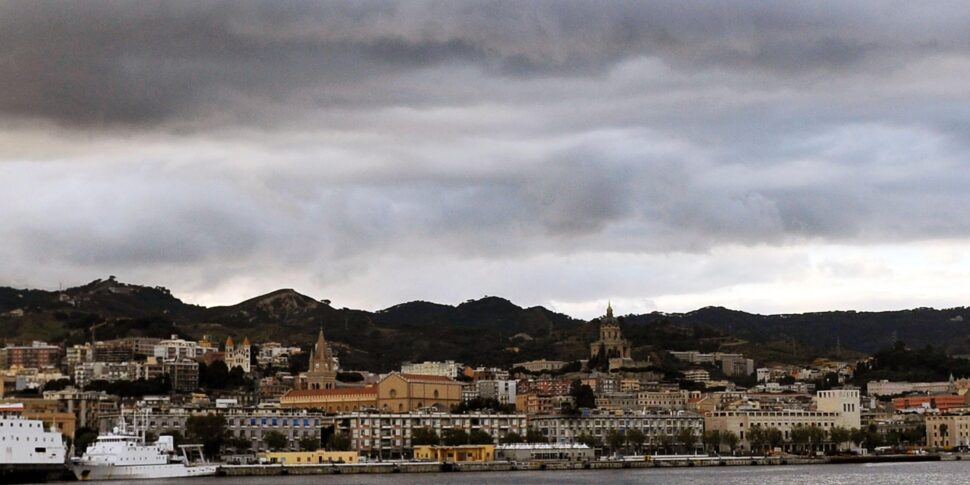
<point>953,472</point>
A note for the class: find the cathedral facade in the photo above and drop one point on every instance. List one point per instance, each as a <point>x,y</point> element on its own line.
<point>322,373</point>
<point>611,344</point>
<point>239,355</point>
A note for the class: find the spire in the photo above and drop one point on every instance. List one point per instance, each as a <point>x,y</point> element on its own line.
<point>229,342</point>
<point>609,309</point>
<point>246,342</point>
<point>321,344</point>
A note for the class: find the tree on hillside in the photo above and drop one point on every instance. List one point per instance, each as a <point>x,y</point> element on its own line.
<point>511,438</point>
<point>583,395</point>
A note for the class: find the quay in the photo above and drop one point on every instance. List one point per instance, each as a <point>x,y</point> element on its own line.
<point>506,466</point>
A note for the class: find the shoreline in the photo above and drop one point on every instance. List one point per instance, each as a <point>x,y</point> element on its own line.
<point>504,466</point>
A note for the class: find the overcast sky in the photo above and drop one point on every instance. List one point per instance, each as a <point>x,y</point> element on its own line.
<point>764,156</point>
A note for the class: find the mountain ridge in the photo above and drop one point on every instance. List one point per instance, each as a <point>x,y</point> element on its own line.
<point>487,330</point>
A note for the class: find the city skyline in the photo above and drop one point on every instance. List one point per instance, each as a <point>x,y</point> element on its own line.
<point>765,158</point>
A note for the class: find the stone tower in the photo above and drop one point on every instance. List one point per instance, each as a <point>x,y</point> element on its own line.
<point>322,373</point>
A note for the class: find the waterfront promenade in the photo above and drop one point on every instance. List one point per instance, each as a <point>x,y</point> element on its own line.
<point>504,466</point>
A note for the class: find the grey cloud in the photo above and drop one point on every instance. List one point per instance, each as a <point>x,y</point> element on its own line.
<point>192,62</point>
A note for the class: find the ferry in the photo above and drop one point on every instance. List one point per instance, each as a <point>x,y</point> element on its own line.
<point>121,455</point>
<point>28,451</point>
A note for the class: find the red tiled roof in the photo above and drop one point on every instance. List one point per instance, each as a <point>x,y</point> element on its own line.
<point>340,391</point>
<point>426,377</point>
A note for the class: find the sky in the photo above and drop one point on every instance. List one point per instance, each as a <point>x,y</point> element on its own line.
<point>773,157</point>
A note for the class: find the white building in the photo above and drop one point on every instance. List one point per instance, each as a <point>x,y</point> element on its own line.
<point>389,435</point>
<point>541,365</point>
<point>239,355</point>
<point>176,348</point>
<point>565,429</point>
<point>501,390</point>
<point>448,368</point>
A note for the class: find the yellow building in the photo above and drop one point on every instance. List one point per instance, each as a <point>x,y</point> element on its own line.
<point>402,393</point>
<point>48,411</point>
<point>318,457</point>
<point>452,454</point>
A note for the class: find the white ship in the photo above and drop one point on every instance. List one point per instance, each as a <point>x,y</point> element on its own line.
<point>124,456</point>
<point>28,451</point>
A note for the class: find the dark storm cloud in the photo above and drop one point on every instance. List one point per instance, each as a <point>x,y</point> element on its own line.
<point>95,63</point>
<point>216,141</point>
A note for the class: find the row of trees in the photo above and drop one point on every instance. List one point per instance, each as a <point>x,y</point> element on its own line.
<point>636,441</point>
<point>450,437</point>
<point>810,439</point>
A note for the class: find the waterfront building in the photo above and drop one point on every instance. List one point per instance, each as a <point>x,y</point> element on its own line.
<point>948,430</point>
<point>318,457</point>
<point>448,368</point>
<point>656,426</point>
<point>250,424</point>
<point>544,452</point>
<point>388,435</point>
<point>454,454</point>
<point>845,402</point>
<point>834,408</point>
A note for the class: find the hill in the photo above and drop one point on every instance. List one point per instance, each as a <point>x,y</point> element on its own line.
<point>486,331</point>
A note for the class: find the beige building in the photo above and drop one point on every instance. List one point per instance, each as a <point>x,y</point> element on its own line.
<point>453,454</point>
<point>611,344</point>
<point>835,408</point>
<point>323,370</point>
<point>670,400</point>
<point>318,457</point>
<point>395,393</point>
<point>402,393</point>
<point>334,400</point>
<point>947,430</point>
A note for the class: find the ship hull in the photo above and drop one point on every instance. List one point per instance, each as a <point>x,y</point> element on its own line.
<point>141,472</point>
<point>23,473</point>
